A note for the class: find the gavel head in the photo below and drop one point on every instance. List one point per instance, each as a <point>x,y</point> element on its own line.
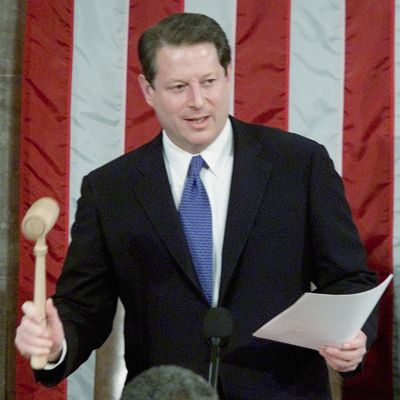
<point>40,218</point>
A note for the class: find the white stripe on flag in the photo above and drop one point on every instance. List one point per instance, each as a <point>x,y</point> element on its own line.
<point>97,112</point>
<point>317,51</point>
<point>396,213</point>
<point>224,12</point>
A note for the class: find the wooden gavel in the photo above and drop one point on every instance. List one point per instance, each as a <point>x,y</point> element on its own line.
<point>38,221</point>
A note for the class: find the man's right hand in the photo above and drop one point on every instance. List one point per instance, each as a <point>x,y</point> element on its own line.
<point>33,340</point>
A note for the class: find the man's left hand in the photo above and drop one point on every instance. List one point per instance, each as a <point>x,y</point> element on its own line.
<point>347,357</point>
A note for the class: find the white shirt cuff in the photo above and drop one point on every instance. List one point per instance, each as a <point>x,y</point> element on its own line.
<point>49,366</point>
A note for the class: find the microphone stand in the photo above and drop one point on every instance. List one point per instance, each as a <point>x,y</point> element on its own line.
<point>217,328</point>
<point>215,344</point>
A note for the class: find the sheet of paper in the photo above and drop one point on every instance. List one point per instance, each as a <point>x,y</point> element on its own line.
<point>317,319</point>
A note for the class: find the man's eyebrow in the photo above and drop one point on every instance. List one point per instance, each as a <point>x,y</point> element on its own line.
<point>176,81</point>
<point>213,73</point>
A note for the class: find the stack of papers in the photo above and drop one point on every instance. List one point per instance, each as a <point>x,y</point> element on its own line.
<point>316,320</point>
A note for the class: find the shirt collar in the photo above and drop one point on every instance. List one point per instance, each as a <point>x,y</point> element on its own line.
<point>215,155</point>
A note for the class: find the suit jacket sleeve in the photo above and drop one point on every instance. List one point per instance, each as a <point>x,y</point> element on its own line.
<point>338,254</point>
<point>86,294</point>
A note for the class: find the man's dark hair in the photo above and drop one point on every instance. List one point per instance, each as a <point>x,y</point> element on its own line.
<point>168,382</point>
<point>177,30</point>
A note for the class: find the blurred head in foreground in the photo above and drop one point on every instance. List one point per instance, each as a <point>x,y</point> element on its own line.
<point>168,382</point>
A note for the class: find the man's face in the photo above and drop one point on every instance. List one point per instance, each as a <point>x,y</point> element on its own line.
<point>190,94</point>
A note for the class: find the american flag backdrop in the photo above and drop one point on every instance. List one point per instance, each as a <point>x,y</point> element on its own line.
<point>327,69</point>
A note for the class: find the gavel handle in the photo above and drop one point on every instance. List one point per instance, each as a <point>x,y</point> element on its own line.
<point>39,294</point>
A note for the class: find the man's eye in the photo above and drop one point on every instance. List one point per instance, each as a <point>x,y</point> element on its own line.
<point>178,88</point>
<point>209,82</point>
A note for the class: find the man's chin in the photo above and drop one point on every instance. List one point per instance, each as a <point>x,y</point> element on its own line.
<point>201,142</point>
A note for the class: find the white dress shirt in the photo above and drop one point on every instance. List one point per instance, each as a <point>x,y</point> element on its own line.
<point>216,180</point>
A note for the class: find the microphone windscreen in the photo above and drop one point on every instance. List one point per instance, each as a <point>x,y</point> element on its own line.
<point>218,323</point>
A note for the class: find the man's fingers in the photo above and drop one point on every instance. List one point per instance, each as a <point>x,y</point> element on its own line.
<point>342,365</point>
<point>51,311</point>
<point>359,341</point>
<point>32,327</point>
<point>346,355</point>
<point>32,319</point>
<point>36,339</point>
<point>29,344</point>
<point>342,360</point>
<point>32,337</point>
<point>50,308</point>
<point>25,338</point>
<point>35,351</point>
<point>29,310</point>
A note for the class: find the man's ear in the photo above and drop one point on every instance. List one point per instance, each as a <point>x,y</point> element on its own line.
<point>147,89</point>
<point>229,72</point>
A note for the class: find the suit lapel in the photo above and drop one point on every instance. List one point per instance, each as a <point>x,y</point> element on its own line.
<point>154,193</point>
<point>251,170</point>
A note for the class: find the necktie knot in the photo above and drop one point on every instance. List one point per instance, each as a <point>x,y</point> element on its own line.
<point>196,164</point>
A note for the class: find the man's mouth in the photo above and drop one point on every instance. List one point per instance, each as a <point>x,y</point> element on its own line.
<point>197,119</point>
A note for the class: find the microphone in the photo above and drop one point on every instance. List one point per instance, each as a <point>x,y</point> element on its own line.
<point>217,328</point>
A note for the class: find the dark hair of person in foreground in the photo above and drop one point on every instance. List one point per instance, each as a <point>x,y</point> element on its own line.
<point>168,382</point>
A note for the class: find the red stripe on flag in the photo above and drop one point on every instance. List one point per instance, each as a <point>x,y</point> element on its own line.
<point>262,55</point>
<point>141,124</point>
<point>368,167</point>
<point>44,153</point>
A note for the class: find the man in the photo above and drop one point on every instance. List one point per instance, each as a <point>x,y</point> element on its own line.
<point>270,204</point>
<point>168,382</point>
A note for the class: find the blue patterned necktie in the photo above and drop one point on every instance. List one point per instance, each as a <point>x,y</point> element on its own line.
<point>195,213</point>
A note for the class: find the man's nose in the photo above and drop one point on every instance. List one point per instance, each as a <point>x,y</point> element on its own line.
<point>196,99</point>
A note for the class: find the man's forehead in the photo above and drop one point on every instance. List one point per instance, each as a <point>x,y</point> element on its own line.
<point>171,59</point>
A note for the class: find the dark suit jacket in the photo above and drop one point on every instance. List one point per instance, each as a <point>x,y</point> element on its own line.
<point>288,224</point>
